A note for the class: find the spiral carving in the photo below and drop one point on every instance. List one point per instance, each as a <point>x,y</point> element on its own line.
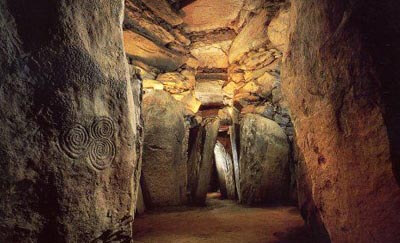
<point>101,153</point>
<point>74,142</point>
<point>102,127</point>
<point>95,143</point>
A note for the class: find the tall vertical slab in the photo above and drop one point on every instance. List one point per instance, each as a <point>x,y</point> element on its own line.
<point>340,77</point>
<point>201,160</point>
<point>164,171</point>
<point>68,160</point>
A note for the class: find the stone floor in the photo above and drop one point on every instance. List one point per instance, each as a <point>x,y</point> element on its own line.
<point>219,222</point>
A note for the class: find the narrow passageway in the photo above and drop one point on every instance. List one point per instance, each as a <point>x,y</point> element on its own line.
<point>199,121</point>
<point>221,221</point>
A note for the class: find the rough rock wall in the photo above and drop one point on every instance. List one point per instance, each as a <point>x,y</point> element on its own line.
<point>164,169</point>
<point>337,86</point>
<point>158,49</point>
<point>67,115</point>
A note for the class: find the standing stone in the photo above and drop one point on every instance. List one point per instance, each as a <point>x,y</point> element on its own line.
<point>68,161</point>
<point>225,171</point>
<point>264,166</point>
<point>234,132</point>
<point>140,206</point>
<point>201,160</point>
<point>164,168</point>
<point>346,120</point>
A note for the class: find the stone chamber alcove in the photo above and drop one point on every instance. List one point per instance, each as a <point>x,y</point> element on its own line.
<point>199,121</point>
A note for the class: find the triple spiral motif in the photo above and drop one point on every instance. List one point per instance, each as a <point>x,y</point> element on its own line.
<point>75,141</point>
<point>96,144</point>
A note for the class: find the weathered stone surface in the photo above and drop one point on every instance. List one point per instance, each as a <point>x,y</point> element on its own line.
<point>210,92</point>
<point>175,82</point>
<point>230,88</point>
<point>200,162</point>
<point>278,30</point>
<point>149,84</point>
<point>181,37</point>
<point>177,47</point>
<point>255,74</point>
<point>68,161</point>
<point>203,15</point>
<point>143,49</point>
<point>192,62</point>
<point>267,81</point>
<point>236,77</point>
<point>144,74</point>
<point>172,77</point>
<point>258,60</point>
<point>344,118</point>
<point>191,102</point>
<point>250,87</point>
<point>212,55</point>
<point>218,74</point>
<point>137,21</point>
<point>225,116</point>
<point>234,133</point>
<point>250,7</point>
<point>164,166</point>
<point>140,206</point>
<point>162,9</point>
<point>264,154</point>
<point>252,36</point>
<point>225,171</point>
<point>149,71</point>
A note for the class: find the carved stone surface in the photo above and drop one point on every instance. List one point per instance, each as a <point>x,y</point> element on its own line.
<point>96,145</point>
<point>75,141</point>
<point>68,173</point>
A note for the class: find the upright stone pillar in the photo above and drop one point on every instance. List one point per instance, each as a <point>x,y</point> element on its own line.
<point>341,80</point>
<point>68,159</point>
<point>264,164</point>
<point>201,161</point>
<point>164,151</point>
<point>226,177</point>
